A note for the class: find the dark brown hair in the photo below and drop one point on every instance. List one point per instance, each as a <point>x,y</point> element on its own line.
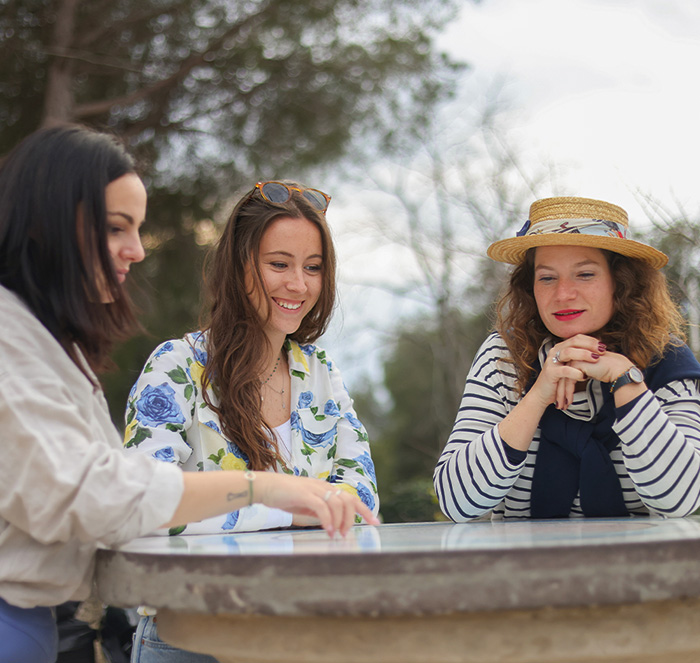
<point>237,343</point>
<point>644,323</point>
<point>55,265</point>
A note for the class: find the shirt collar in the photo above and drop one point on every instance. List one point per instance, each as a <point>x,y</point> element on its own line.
<point>297,356</point>
<point>546,346</point>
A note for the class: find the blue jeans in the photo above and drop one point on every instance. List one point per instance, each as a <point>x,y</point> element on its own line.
<point>149,648</point>
<point>27,634</point>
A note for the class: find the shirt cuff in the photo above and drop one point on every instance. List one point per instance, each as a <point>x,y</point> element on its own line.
<point>514,456</point>
<point>625,409</point>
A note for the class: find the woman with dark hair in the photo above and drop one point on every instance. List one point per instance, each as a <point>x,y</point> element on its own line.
<point>585,401</point>
<point>71,206</point>
<point>250,390</point>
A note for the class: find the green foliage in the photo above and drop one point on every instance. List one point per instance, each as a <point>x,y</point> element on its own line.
<point>410,502</point>
<point>211,95</point>
<point>231,88</point>
<point>424,376</point>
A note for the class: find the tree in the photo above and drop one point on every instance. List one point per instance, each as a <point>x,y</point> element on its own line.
<point>212,94</point>
<point>233,87</point>
<point>463,190</point>
<point>677,233</point>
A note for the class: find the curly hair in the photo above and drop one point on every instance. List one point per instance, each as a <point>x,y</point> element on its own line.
<point>237,344</point>
<point>645,320</point>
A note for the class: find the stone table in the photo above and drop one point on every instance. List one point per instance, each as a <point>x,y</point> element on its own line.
<point>624,590</point>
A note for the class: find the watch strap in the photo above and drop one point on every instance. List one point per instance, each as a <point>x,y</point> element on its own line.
<point>625,378</point>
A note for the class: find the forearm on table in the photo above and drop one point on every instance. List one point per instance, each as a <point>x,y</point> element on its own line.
<point>208,494</point>
<point>660,450</point>
<point>473,476</point>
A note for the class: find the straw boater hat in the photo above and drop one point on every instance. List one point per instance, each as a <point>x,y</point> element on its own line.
<point>575,222</point>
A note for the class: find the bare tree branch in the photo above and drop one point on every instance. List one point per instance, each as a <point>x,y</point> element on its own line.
<point>162,87</point>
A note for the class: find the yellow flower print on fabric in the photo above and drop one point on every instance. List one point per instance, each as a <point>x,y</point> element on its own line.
<point>129,431</point>
<point>346,487</point>
<point>231,462</point>
<point>323,475</point>
<point>299,356</point>
<point>196,371</point>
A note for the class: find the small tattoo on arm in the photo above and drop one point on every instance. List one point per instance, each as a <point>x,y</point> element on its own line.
<point>234,496</point>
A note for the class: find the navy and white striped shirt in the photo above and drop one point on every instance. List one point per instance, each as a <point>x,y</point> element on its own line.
<point>658,460</point>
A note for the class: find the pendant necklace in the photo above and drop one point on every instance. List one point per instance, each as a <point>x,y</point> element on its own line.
<point>269,386</point>
<point>281,393</point>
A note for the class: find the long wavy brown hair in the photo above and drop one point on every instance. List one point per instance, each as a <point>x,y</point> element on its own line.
<point>237,344</point>
<point>645,320</point>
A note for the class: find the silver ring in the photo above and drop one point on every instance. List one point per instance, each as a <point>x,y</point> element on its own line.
<point>556,359</point>
<point>337,492</point>
<point>327,496</point>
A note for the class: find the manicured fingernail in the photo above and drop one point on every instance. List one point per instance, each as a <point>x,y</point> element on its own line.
<point>595,356</point>
<point>602,347</point>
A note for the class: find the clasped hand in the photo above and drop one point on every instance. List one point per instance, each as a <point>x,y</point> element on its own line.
<point>575,360</point>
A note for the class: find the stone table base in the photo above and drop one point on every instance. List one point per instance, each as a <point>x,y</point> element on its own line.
<point>661,631</point>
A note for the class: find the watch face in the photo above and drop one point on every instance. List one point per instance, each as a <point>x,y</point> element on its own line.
<point>636,375</point>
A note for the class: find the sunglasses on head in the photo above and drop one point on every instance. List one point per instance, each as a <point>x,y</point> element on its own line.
<point>279,192</point>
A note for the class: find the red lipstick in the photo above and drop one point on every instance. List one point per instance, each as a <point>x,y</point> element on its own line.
<point>568,314</point>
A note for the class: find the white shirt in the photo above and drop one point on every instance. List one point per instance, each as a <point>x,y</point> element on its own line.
<point>65,484</point>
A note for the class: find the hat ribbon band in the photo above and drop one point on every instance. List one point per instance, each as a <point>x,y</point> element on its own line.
<point>579,226</point>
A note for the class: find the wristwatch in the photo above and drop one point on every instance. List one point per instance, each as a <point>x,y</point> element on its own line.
<point>633,374</point>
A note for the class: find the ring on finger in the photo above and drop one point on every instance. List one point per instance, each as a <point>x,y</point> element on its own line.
<point>337,492</point>
<point>557,357</point>
<point>328,495</point>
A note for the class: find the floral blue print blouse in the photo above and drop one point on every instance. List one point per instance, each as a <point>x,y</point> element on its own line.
<point>167,418</point>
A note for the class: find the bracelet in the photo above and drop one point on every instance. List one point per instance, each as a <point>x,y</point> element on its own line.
<point>251,477</point>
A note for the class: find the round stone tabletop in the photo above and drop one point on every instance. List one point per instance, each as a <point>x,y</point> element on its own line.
<point>409,569</point>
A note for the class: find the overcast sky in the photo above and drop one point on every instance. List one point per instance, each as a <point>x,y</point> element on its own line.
<point>605,89</point>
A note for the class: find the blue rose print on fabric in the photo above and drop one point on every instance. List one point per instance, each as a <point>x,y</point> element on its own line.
<point>308,349</point>
<point>213,426</point>
<point>367,465</point>
<point>330,409</point>
<point>305,399</point>
<point>167,455</point>
<point>232,448</point>
<point>157,406</point>
<point>365,495</point>
<point>200,354</point>
<point>312,439</point>
<point>166,347</point>
<point>231,520</point>
<point>354,421</point>
<point>318,439</point>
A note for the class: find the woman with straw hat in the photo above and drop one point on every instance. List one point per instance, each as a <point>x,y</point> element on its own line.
<point>585,401</point>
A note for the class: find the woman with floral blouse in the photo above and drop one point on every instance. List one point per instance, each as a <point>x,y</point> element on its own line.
<point>71,209</point>
<point>251,390</point>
